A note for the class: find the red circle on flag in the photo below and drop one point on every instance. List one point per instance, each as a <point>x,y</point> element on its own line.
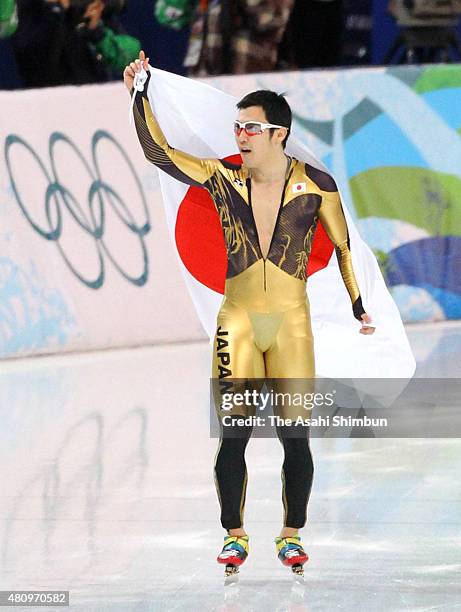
<point>200,240</point>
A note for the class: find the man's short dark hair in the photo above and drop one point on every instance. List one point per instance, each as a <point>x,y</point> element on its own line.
<point>275,106</point>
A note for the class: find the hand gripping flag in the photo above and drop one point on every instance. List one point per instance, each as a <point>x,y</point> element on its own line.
<point>197,118</point>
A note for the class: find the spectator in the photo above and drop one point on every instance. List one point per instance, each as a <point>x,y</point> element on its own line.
<point>65,42</point>
<point>314,34</point>
<point>236,36</point>
<point>8,18</point>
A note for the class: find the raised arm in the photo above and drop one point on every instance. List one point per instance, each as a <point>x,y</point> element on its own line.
<point>181,166</point>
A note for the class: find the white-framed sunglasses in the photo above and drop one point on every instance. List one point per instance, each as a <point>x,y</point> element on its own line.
<point>253,128</point>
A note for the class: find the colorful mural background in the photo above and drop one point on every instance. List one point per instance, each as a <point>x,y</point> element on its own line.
<point>407,199</point>
<point>392,139</point>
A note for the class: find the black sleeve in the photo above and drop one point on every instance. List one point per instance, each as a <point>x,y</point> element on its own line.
<point>181,166</point>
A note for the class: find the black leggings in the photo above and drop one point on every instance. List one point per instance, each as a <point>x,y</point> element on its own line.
<point>231,477</point>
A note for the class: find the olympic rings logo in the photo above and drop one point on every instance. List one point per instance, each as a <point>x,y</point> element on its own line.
<point>100,194</point>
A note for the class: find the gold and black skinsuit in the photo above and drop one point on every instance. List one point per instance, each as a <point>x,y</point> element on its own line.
<point>263,326</point>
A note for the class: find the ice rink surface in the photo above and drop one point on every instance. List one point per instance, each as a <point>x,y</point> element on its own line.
<point>107,491</point>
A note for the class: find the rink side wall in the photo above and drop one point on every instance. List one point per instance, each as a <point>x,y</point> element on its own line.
<point>86,261</point>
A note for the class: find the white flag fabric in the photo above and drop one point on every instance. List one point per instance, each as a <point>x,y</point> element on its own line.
<point>198,118</point>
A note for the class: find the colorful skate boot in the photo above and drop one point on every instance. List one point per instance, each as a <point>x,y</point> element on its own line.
<point>233,554</point>
<point>291,553</point>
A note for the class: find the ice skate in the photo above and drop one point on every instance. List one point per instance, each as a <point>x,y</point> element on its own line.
<point>291,553</point>
<point>233,554</point>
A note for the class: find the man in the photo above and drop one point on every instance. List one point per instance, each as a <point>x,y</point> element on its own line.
<point>313,37</point>
<point>229,37</point>
<point>269,208</point>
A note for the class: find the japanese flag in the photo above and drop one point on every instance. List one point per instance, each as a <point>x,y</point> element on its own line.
<point>299,188</point>
<point>197,118</point>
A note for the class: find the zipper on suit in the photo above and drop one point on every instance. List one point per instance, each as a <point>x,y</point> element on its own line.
<point>276,221</point>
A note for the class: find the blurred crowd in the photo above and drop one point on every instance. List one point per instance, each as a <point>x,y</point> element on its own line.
<point>58,42</point>
<point>257,36</point>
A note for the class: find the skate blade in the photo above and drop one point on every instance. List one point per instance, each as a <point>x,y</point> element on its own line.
<point>298,573</point>
<point>231,575</point>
